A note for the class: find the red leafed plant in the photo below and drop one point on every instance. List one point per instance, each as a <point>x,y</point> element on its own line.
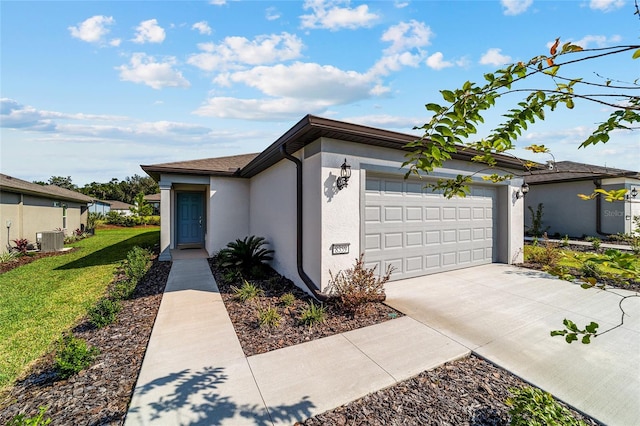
<point>21,245</point>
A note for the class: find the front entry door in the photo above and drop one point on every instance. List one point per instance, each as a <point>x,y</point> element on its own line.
<point>190,218</point>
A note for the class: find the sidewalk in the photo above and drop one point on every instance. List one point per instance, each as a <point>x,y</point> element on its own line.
<point>195,371</point>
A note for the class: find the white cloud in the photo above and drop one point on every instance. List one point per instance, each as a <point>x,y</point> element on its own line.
<point>437,62</point>
<point>236,51</point>
<point>92,30</point>
<point>599,40</point>
<point>149,31</point>
<point>401,4</point>
<point>515,7</point>
<point>407,35</point>
<point>385,121</point>
<point>606,5</point>
<point>218,2</point>
<point>260,109</point>
<point>395,62</point>
<point>202,27</point>
<point>328,14</point>
<point>144,69</point>
<point>494,57</point>
<point>326,84</point>
<point>272,14</point>
<point>115,42</point>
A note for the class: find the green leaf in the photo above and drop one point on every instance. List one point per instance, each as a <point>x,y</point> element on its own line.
<point>592,327</point>
<point>448,95</point>
<point>570,325</point>
<point>433,107</point>
<point>571,337</point>
<point>586,339</point>
<point>558,333</point>
<point>636,54</point>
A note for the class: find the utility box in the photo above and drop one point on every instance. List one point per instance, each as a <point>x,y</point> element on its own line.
<point>50,241</point>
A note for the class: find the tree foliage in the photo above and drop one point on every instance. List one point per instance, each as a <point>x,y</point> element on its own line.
<point>120,190</point>
<point>454,123</point>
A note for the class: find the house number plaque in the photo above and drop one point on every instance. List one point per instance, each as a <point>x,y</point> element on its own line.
<point>342,248</point>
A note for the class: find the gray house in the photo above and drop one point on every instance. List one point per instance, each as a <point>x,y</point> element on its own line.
<point>326,191</point>
<point>567,214</point>
<point>27,208</point>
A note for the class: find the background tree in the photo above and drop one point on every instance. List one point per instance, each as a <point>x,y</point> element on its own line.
<point>63,182</point>
<point>454,123</point>
<point>141,208</point>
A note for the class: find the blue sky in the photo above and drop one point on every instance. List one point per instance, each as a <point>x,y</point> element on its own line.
<point>93,89</point>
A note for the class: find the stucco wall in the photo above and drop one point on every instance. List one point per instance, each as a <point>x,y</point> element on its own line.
<point>32,214</point>
<point>228,212</point>
<point>563,211</point>
<point>272,201</point>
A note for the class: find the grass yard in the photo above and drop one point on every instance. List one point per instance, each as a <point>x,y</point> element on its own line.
<point>41,300</point>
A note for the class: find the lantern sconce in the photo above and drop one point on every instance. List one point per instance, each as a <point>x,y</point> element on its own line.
<point>633,193</point>
<point>522,191</point>
<point>345,174</point>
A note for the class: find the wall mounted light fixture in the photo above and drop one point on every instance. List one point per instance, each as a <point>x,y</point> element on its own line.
<point>633,193</point>
<point>522,191</point>
<point>345,174</point>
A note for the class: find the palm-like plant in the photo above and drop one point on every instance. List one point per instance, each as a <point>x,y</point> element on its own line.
<point>245,254</point>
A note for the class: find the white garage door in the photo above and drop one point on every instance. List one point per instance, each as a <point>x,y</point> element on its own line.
<point>419,232</point>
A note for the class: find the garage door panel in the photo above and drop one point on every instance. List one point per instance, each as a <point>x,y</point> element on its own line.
<point>419,232</point>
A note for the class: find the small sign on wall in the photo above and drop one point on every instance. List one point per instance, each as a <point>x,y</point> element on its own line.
<point>341,248</point>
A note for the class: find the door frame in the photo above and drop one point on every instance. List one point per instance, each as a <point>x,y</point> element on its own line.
<point>200,244</point>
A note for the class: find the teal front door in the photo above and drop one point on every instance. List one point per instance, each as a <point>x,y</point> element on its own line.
<point>190,218</point>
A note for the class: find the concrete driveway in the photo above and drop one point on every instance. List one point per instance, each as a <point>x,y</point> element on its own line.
<point>505,314</point>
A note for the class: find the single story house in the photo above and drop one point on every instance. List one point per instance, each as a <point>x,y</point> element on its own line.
<point>120,207</point>
<point>565,213</point>
<point>100,207</point>
<point>27,209</point>
<point>291,195</point>
<point>154,201</point>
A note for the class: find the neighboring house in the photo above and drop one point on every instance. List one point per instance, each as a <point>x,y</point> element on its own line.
<point>120,207</point>
<point>154,201</point>
<point>567,214</point>
<point>100,207</point>
<point>27,208</point>
<point>288,194</point>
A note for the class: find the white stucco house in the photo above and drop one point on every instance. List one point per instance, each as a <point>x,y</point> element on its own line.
<point>288,194</point>
<point>566,214</point>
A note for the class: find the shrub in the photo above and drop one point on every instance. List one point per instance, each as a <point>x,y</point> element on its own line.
<point>248,291</point>
<point>231,276</point>
<point>548,254</point>
<point>269,317</point>
<point>595,242</point>
<point>104,312</point>
<point>22,245</point>
<point>565,241</point>
<point>73,355</point>
<point>8,256</point>
<point>358,285</point>
<point>533,407</point>
<point>124,289</point>
<point>37,420</point>
<point>590,269</point>
<point>536,229</point>
<point>245,254</point>
<point>137,263</point>
<point>313,314</point>
<point>287,299</point>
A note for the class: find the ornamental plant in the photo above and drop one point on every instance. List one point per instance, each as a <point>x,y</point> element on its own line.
<point>245,254</point>
<point>73,355</point>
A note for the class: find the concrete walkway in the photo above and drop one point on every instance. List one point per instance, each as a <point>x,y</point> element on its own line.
<point>195,373</point>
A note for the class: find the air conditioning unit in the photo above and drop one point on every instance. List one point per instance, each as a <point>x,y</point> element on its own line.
<point>50,241</point>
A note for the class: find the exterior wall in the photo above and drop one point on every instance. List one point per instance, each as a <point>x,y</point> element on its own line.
<point>272,200</point>
<point>169,184</point>
<point>566,214</point>
<point>101,208</point>
<point>228,212</point>
<point>32,214</point>
<point>341,211</point>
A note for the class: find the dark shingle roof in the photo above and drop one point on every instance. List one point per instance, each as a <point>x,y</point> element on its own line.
<point>119,205</point>
<point>221,166</point>
<point>11,184</point>
<point>565,171</point>
<point>307,130</point>
<point>152,197</point>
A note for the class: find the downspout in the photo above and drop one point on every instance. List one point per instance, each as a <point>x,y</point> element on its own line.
<point>598,184</point>
<point>313,288</point>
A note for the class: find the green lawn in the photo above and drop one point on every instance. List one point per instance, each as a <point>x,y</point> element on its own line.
<point>40,300</point>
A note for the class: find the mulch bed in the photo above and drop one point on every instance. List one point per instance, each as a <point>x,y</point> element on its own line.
<point>99,395</point>
<point>256,340</point>
<point>28,258</point>
<point>469,391</point>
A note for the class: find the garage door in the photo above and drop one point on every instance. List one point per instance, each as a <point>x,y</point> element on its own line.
<point>419,232</point>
